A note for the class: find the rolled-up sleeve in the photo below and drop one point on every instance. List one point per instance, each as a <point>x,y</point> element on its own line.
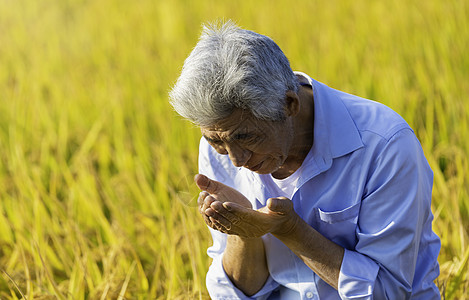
<point>219,285</point>
<point>394,211</point>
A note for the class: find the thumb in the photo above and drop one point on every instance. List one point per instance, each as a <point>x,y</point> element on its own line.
<point>280,205</point>
<point>206,184</point>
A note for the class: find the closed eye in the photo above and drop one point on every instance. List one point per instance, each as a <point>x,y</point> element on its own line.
<point>242,136</point>
<point>212,141</point>
<point>247,139</point>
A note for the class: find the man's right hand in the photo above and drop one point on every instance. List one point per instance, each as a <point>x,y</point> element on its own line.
<point>216,191</point>
<point>220,192</point>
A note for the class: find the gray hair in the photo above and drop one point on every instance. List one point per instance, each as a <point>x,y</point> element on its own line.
<point>233,68</point>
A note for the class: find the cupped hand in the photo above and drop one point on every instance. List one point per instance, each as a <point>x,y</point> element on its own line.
<point>227,210</point>
<point>220,192</point>
<point>214,191</point>
<point>277,217</point>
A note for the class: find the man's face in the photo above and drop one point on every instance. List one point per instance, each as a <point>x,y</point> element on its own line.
<point>260,146</point>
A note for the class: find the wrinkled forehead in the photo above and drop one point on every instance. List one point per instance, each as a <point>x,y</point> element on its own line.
<point>239,119</point>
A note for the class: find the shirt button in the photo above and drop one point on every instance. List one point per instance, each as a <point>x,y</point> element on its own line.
<point>309,295</point>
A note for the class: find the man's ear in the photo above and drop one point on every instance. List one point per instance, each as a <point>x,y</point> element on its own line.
<point>292,103</point>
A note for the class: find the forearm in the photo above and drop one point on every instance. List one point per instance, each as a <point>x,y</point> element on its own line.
<point>323,256</point>
<point>245,264</point>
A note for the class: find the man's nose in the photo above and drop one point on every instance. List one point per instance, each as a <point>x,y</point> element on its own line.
<point>238,156</point>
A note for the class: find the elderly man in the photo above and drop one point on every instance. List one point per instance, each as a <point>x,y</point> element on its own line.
<point>309,192</point>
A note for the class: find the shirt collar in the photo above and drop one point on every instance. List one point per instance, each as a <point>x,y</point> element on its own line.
<point>335,132</point>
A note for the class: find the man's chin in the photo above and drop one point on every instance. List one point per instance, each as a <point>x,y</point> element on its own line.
<point>257,167</point>
<point>262,172</point>
<point>266,168</point>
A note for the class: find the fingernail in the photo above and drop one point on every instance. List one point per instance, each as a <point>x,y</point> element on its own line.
<point>227,206</point>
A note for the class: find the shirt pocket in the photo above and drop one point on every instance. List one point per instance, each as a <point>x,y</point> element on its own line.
<point>339,226</point>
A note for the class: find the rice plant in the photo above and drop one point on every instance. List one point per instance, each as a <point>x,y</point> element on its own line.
<point>97,199</point>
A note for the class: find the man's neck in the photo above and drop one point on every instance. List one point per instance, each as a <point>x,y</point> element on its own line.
<point>304,129</point>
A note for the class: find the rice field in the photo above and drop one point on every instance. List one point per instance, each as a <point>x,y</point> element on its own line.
<point>96,192</point>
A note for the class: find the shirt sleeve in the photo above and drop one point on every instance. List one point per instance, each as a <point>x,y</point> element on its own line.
<point>219,285</point>
<point>395,210</point>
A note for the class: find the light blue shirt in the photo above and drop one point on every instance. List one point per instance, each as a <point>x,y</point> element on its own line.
<point>367,187</point>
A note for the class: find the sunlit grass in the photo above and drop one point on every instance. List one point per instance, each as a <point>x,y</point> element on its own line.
<point>96,190</point>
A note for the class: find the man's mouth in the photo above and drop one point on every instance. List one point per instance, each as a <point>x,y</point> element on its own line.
<point>256,167</point>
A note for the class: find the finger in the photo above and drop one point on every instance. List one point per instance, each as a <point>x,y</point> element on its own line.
<point>207,220</point>
<point>220,220</point>
<point>219,207</point>
<point>207,184</point>
<point>205,207</point>
<point>238,212</point>
<point>280,205</point>
<point>202,196</point>
<point>207,203</point>
<point>216,225</point>
<point>201,199</point>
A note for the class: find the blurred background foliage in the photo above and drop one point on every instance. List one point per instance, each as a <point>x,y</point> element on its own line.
<point>96,190</point>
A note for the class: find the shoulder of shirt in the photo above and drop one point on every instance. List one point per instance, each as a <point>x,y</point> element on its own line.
<point>373,117</point>
<point>369,116</point>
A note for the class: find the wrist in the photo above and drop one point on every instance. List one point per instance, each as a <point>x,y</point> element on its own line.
<point>288,226</point>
